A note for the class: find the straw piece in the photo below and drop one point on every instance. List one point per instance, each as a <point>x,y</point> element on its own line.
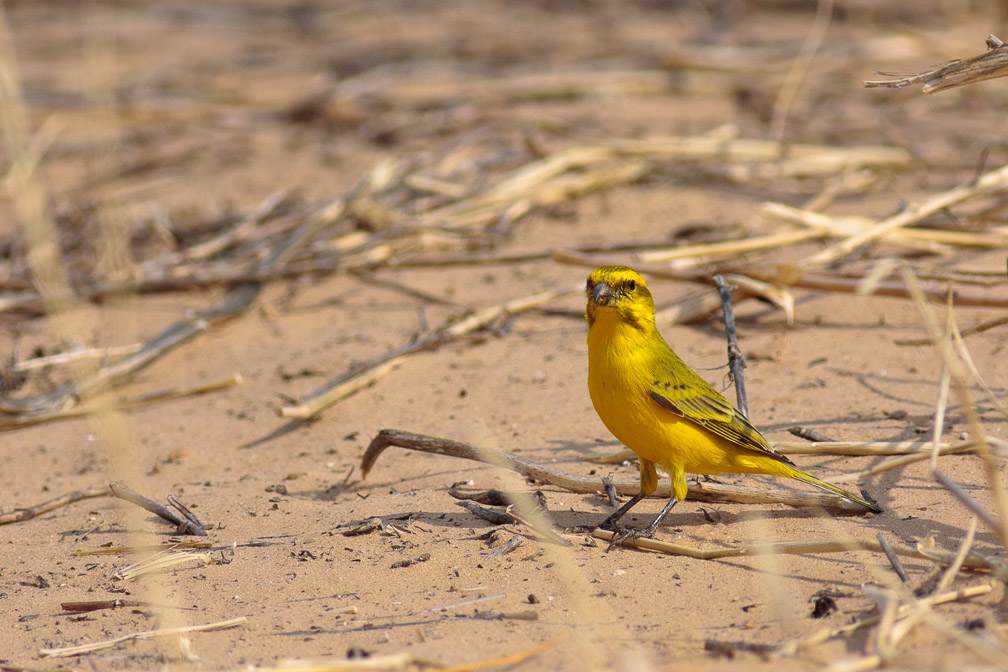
<point>803,547</point>
<point>161,563</point>
<point>699,490</point>
<point>784,276</point>
<point>29,512</point>
<point>127,402</point>
<point>991,183</point>
<point>959,72</point>
<point>928,240</point>
<point>359,377</point>
<point>957,374</point>
<point>136,636</point>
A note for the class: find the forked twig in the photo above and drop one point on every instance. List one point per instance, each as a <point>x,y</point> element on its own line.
<point>184,525</point>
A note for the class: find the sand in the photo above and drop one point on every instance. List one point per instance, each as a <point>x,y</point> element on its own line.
<point>167,113</point>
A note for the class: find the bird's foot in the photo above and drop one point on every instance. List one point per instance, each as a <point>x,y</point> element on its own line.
<point>622,534</point>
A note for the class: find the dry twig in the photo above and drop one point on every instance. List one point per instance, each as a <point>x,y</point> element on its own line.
<point>28,512</point>
<point>183,524</point>
<point>365,374</point>
<point>988,65</point>
<point>699,491</point>
<point>136,636</point>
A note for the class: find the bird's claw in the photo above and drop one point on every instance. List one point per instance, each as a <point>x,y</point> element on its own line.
<point>628,533</point>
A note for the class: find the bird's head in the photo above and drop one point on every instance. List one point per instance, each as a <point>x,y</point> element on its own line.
<point>619,293</point>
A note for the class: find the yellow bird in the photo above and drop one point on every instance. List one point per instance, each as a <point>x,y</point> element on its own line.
<point>659,407</point>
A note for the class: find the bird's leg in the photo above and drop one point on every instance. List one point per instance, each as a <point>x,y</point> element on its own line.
<point>610,522</point>
<point>641,533</point>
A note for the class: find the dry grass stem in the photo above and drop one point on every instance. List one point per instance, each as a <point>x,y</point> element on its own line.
<point>957,373</point>
<point>149,548</point>
<point>699,491</point>
<point>774,159</point>
<point>935,241</point>
<point>941,406</point>
<point>799,66</point>
<point>992,183</point>
<point>782,276</point>
<point>75,355</point>
<point>366,374</point>
<point>850,448</point>
<point>967,359</point>
<point>406,662</point>
<point>29,512</point>
<point>932,601</point>
<point>860,448</point>
<point>349,610</point>
<point>137,636</point>
<point>139,400</point>
<point>968,331</point>
<point>163,562</point>
<point>902,460</point>
<point>728,249</point>
<point>988,65</point>
<point>950,572</point>
<point>393,662</point>
<point>809,547</point>
<point>967,500</point>
<point>893,558</point>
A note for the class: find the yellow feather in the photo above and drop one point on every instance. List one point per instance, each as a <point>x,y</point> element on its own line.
<point>657,405</point>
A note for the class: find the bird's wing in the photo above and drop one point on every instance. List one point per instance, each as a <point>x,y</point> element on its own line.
<point>692,398</point>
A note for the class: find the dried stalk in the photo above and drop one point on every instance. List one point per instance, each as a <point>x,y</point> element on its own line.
<point>137,636</point>
<point>407,662</point>
<point>29,512</point>
<point>927,240</point>
<point>969,331</point>
<point>729,249</point>
<point>804,547</point>
<point>366,374</point>
<point>957,374</point>
<point>125,402</point>
<point>988,65</point>
<point>992,183</point>
<point>903,460</point>
<point>183,524</point>
<point>932,601</point>
<point>163,562</point>
<point>849,448</point>
<point>698,491</point>
<point>784,276</point>
<point>148,548</point>
<point>75,355</point>
<point>234,304</point>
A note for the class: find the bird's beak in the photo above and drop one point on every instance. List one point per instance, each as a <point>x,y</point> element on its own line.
<point>603,294</point>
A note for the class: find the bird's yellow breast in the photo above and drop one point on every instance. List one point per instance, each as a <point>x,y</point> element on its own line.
<point>621,366</point>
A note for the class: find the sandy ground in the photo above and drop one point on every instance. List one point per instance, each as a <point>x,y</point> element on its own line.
<point>175,111</point>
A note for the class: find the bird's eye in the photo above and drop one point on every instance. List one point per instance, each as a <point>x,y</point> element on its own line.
<point>631,285</point>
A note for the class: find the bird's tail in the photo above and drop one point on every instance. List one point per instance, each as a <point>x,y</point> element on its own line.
<point>808,478</point>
